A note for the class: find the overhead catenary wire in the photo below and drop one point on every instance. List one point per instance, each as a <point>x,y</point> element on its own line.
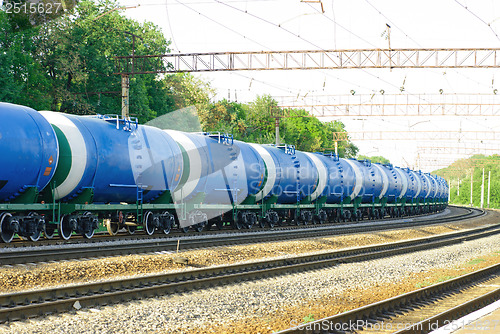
<point>170,26</point>
<point>304,39</point>
<point>258,43</point>
<point>479,18</point>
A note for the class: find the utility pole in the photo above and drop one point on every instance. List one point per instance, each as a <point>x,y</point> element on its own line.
<point>277,124</point>
<point>125,96</point>
<point>274,112</point>
<point>389,40</point>
<point>449,191</point>
<point>471,178</point>
<point>489,178</point>
<point>482,192</point>
<point>126,80</point>
<point>458,188</point>
<point>339,136</point>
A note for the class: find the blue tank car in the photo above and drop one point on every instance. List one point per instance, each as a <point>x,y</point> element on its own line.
<point>71,174</point>
<point>107,161</point>
<point>29,152</point>
<point>29,155</point>
<point>370,178</point>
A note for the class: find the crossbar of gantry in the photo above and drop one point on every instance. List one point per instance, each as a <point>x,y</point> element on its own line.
<point>460,161</point>
<point>391,109</point>
<point>377,104</point>
<point>420,135</point>
<point>465,151</point>
<point>309,59</point>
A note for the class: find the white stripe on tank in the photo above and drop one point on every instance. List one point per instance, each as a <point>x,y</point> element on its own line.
<point>359,179</point>
<point>385,180</point>
<point>78,152</point>
<point>194,164</point>
<point>404,182</point>
<point>271,171</point>
<point>322,175</point>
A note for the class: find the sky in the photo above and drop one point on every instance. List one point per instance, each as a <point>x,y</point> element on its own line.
<point>198,26</point>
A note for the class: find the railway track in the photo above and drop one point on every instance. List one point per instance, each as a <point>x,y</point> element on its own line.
<point>71,251</point>
<point>420,311</point>
<point>455,212</point>
<point>20,305</point>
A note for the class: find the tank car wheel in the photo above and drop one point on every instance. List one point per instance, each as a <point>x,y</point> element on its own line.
<point>185,229</point>
<point>131,229</point>
<point>236,224</point>
<point>337,218</point>
<point>65,227</point>
<point>38,233</point>
<point>322,216</point>
<point>271,218</point>
<point>352,218</point>
<point>94,225</point>
<point>5,232</point>
<point>49,231</point>
<point>199,227</point>
<point>250,220</point>
<point>399,212</point>
<point>382,213</point>
<point>346,215</point>
<point>148,223</point>
<point>112,227</point>
<point>168,221</point>
<point>358,215</point>
<point>198,220</point>
<point>306,217</point>
<point>219,223</point>
<point>89,234</point>
<point>36,236</point>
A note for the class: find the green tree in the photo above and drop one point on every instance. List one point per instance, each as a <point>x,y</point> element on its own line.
<point>255,123</point>
<point>458,176</point>
<point>67,64</point>
<point>22,78</point>
<point>227,117</point>
<point>375,159</point>
<point>184,90</point>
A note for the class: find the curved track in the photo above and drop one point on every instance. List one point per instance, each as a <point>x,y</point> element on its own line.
<point>67,251</point>
<point>437,305</point>
<point>22,305</point>
<point>454,211</point>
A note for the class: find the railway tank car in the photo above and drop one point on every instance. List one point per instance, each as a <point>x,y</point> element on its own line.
<point>65,174</point>
<point>29,153</point>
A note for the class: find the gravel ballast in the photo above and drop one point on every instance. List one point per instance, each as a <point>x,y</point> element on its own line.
<point>263,302</point>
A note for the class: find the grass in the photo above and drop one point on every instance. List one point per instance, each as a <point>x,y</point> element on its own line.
<point>309,318</point>
<point>434,281</point>
<point>475,261</point>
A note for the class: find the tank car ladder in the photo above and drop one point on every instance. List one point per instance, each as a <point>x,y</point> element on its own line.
<point>139,202</point>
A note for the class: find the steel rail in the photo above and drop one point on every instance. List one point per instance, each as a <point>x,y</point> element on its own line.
<point>20,305</point>
<point>91,250</point>
<point>443,318</point>
<point>362,318</point>
<point>104,236</point>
